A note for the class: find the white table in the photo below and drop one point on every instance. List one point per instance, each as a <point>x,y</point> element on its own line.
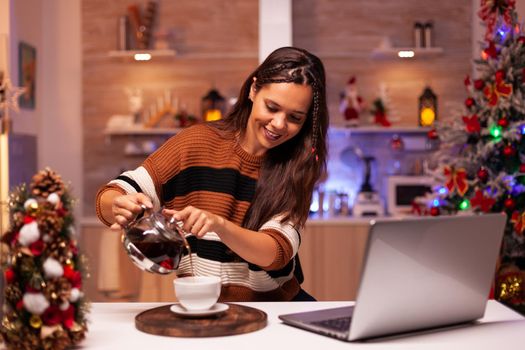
<point>112,326</point>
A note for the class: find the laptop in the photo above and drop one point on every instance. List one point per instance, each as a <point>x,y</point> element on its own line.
<point>418,273</point>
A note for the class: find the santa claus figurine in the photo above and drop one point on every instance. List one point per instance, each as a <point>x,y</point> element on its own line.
<point>351,103</point>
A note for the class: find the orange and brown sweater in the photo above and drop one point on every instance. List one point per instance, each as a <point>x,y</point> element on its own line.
<point>207,169</point>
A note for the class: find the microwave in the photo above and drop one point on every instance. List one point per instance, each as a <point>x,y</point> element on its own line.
<point>403,189</point>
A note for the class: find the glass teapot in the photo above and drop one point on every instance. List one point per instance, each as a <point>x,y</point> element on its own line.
<point>154,243</point>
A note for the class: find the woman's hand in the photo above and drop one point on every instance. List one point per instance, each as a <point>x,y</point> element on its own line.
<point>125,208</point>
<point>197,221</point>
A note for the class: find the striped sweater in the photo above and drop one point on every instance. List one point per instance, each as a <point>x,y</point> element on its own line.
<point>209,170</point>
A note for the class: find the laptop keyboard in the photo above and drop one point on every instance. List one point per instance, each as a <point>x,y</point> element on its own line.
<point>341,324</point>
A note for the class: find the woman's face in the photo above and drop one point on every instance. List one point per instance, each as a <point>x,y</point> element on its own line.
<point>279,111</point>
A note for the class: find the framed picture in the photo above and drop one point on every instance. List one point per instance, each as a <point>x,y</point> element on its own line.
<point>27,74</point>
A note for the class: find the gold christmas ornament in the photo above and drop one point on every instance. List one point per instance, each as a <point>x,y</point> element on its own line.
<point>32,209</point>
<point>35,321</point>
<point>510,287</point>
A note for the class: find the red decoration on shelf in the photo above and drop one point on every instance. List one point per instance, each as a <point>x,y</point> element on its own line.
<point>396,144</point>
<point>434,211</point>
<point>522,168</point>
<point>483,174</point>
<point>432,134</point>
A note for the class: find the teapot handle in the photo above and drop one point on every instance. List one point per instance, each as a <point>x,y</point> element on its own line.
<point>139,216</point>
<point>177,225</point>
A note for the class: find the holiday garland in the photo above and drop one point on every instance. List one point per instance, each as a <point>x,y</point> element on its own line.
<point>481,159</point>
<point>44,306</point>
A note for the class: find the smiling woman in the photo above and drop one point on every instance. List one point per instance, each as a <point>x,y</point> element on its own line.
<point>242,186</point>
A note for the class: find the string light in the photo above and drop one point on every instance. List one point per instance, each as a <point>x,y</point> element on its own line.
<point>495,131</point>
<point>442,190</point>
<point>464,205</point>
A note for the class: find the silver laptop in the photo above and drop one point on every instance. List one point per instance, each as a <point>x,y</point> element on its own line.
<point>417,273</point>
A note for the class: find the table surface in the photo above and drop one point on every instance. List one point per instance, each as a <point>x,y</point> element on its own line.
<point>112,326</point>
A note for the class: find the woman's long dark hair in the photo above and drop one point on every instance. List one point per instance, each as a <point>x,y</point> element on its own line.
<point>289,171</point>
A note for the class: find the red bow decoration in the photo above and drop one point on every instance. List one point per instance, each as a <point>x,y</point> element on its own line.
<point>500,88</point>
<point>484,203</point>
<point>519,222</point>
<point>472,123</point>
<point>490,11</point>
<point>456,179</point>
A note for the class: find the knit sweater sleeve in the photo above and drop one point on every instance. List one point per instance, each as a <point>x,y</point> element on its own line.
<point>287,238</point>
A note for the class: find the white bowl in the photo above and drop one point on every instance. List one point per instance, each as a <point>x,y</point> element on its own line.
<point>197,292</point>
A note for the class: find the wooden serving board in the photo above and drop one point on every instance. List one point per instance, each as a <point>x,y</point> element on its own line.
<point>238,319</point>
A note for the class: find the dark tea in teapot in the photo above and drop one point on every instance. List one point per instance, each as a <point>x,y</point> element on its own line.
<point>155,245</point>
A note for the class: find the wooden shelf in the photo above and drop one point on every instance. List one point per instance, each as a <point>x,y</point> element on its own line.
<point>380,130</point>
<point>419,52</point>
<point>130,54</point>
<point>141,131</point>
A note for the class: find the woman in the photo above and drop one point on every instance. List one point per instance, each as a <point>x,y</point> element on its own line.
<point>241,186</point>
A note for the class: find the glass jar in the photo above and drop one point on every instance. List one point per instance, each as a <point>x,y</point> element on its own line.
<point>154,243</point>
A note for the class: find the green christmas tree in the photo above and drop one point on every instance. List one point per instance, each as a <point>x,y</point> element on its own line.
<point>43,303</point>
<point>481,160</point>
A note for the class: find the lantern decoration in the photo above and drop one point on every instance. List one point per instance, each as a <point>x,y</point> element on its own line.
<point>212,106</point>
<point>427,107</point>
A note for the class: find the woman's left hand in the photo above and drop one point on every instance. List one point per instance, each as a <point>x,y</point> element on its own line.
<point>196,221</point>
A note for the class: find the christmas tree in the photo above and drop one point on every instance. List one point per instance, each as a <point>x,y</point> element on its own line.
<point>481,160</point>
<point>43,303</point>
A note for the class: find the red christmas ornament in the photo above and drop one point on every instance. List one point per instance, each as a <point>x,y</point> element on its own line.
<point>467,80</point>
<point>432,134</point>
<point>509,203</point>
<point>491,51</point>
<point>522,168</point>
<point>508,151</point>
<point>500,75</point>
<point>521,39</point>
<point>434,211</point>
<point>483,174</point>
<point>503,122</point>
<point>9,275</point>
<point>472,123</point>
<point>469,102</point>
<point>479,84</point>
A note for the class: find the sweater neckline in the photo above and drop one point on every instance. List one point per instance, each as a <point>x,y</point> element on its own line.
<point>253,159</point>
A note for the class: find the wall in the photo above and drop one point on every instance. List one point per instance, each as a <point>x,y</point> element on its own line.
<point>216,44</point>
<point>344,33</point>
<point>53,28</point>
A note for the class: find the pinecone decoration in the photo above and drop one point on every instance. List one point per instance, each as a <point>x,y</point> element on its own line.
<point>46,182</point>
<point>50,223</point>
<point>13,294</point>
<point>58,249</point>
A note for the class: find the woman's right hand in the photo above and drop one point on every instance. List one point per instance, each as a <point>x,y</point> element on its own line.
<point>125,208</point>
